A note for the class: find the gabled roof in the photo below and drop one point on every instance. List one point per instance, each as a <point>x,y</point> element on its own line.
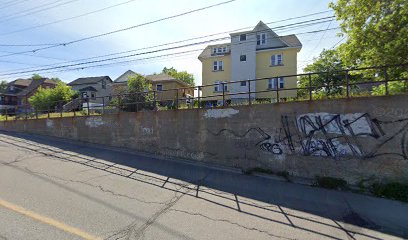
<point>22,89</point>
<point>260,27</point>
<point>89,80</point>
<point>124,77</point>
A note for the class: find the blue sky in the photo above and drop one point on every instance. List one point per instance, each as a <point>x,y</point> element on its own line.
<point>224,18</point>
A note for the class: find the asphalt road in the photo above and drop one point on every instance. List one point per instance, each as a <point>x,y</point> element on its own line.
<point>58,189</point>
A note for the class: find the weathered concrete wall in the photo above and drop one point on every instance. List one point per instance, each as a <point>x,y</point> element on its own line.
<point>352,139</point>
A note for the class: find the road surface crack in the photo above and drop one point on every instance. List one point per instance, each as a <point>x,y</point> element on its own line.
<point>229,222</point>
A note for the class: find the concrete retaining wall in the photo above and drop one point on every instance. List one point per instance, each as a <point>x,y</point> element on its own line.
<point>353,139</point>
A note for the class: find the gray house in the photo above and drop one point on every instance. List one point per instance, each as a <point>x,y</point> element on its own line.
<point>93,88</point>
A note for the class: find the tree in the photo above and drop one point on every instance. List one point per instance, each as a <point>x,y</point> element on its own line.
<point>330,62</point>
<point>3,85</point>
<point>376,31</point>
<point>183,76</point>
<point>138,94</point>
<point>49,98</point>
<point>36,76</point>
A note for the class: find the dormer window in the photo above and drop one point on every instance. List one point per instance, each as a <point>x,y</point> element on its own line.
<point>219,50</point>
<point>261,39</point>
<point>242,37</point>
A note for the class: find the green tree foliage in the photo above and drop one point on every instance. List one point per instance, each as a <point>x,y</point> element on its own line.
<point>325,83</point>
<point>183,76</point>
<point>3,85</point>
<point>36,76</point>
<point>376,30</point>
<point>138,96</point>
<point>50,98</point>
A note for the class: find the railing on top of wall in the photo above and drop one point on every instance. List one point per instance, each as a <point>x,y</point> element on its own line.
<point>345,83</point>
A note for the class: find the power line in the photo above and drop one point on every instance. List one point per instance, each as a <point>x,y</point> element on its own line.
<point>7,18</point>
<point>138,54</point>
<point>66,19</point>
<point>297,24</point>
<point>123,29</point>
<point>6,4</point>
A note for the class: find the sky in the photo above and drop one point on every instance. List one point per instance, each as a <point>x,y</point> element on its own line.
<point>21,20</point>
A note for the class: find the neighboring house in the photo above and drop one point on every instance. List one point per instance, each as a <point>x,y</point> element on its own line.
<point>259,53</point>
<point>93,88</point>
<point>19,91</point>
<point>166,87</point>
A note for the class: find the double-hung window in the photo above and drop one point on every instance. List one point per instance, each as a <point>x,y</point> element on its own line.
<point>273,83</point>
<point>277,60</point>
<point>218,66</point>
<point>242,37</point>
<point>261,39</point>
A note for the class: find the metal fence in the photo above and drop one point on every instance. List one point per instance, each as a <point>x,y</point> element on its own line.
<point>347,83</point>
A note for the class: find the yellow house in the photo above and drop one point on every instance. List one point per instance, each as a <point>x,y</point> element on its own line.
<point>256,54</point>
<point>167,88</point>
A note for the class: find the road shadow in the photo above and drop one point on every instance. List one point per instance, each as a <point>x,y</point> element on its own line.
<point>231,187</point>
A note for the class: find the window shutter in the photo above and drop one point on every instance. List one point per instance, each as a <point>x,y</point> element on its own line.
<point>273,58</point>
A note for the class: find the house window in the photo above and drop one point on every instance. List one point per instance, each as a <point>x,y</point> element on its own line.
<point>218,66</point>
<point>243,83</point>
<point>277,60</point>
<point>219,50</point>
<point>103,84</point>
<point>272,83</point>
<point>93,95</point>
<point>218,86</point>
<point>242,58</point>
<point>261,39</point>
<point>159,87</point>
<point>84,95</point>
<point>242,37</point>
<point>11,88</point>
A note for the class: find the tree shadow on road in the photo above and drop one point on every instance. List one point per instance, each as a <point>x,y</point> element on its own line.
<point>233,190</point>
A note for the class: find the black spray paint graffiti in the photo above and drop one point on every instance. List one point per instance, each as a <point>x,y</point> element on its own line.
<point>331,135</point>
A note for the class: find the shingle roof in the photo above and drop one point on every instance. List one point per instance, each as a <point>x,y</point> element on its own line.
<point>32,86</point>
<point>88,80</point>
<point>88,89</point>
<point>124,77</point>
<point>159,77</point>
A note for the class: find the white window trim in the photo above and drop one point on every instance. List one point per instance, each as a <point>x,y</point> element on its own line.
<point>218,86</point>
<point>276,62</point>
<point>275,83</point>
<point>262,39</point>
<point>240,37</point>
<point>218,66</point>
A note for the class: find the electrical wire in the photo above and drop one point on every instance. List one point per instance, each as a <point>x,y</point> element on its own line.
<point>301,24</point>
<point>138,54</point>
<point>6,19</point>
<point>12,3</point>
<point>65,19</point>
<point>123,29</point>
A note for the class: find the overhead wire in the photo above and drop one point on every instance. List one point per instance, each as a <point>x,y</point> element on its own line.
<point>7,18</point>
<point>66,19</point>
<point>138,54</point>
<point>301,24</point>
<point>12,3</point>
<point>123,29</point>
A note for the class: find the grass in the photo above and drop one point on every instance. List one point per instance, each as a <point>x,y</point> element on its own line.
<point>331,183</point>
<point>45,115</point>
<point>394,190</point>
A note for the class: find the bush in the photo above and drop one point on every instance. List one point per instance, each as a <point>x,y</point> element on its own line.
<point>49,98</point>
<point>396,191</point>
